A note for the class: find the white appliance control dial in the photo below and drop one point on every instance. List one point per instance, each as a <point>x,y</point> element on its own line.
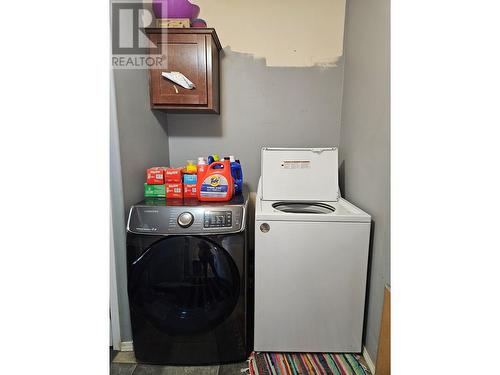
<point>185,219</point>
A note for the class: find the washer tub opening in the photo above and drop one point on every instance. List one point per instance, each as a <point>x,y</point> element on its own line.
<point>303,208</point>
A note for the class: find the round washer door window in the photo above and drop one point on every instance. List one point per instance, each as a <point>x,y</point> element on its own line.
<point>184,285</point>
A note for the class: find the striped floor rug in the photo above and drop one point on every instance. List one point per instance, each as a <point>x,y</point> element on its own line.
<point>305,363</point>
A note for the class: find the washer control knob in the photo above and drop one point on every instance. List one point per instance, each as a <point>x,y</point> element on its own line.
<point>185,219</point>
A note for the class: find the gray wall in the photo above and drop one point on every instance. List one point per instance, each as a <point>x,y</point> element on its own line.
<point>117,217</point>
<point>143,133</point>
<point>364,139</point>
<point>261,106</point>
<point>142,142</point>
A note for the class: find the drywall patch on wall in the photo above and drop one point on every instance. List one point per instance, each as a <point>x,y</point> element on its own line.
<point>285,33</point>
<point>262,106</point>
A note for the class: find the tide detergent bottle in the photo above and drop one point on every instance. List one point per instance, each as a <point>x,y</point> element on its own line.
<point>217,183</point>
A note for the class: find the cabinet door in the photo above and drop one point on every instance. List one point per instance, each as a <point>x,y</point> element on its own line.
<point>184,54</point>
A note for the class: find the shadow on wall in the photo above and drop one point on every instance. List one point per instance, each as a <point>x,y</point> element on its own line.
<point>161,117</point>
<point>200,125</point>
<point>262,106</point>
<point>368,279</point>
<point>342,178</point>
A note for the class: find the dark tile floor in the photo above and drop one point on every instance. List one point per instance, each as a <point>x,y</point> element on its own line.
<point>138,369</point>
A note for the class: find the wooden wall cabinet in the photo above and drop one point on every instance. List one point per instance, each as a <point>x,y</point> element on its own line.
<point>195,53</point>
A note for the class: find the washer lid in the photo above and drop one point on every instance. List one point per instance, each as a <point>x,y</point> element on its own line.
<point>300,174</point>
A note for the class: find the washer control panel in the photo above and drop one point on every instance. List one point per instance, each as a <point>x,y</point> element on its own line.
<point>218,219</point>
<point>192,220</point>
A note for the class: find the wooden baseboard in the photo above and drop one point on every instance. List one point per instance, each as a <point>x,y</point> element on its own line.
<point>368,360</point>
<point>383,364</point>
<point>127,346</point>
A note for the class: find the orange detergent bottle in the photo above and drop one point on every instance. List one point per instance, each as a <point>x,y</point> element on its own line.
<point>216,184</point>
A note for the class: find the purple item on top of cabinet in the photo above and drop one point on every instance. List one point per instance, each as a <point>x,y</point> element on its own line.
<point>175,9</point>
<point>198,22</point>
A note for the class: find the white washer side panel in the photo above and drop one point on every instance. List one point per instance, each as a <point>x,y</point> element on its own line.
<point>310,282</point>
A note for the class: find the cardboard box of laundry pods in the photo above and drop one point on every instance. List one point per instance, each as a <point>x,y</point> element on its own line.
<point>189,190</point>
<point>173,190</point>
<point>157,191</point>
<point>155,176</point>
<point>173,175</point>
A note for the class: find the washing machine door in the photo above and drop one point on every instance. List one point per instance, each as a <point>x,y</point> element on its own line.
<point>184,285</point>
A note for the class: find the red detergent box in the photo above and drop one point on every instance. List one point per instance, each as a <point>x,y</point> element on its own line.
<point>173,190</point>
<point>173,175</point>
<point>189,190</point>
<point>155,176</point>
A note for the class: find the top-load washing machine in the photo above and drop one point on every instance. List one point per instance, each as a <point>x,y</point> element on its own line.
<point>311,255</point>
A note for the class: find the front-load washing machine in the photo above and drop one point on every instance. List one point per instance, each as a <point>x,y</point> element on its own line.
<point>187,281</point>
<point>311,255</point>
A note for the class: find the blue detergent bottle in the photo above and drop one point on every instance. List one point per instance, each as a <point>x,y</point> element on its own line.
<point>212,158</point>
<point>237,174</point>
